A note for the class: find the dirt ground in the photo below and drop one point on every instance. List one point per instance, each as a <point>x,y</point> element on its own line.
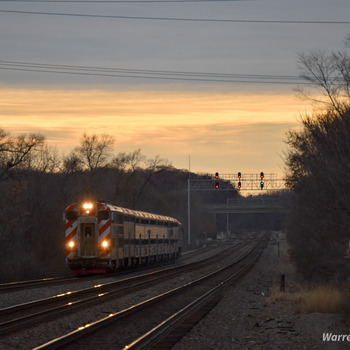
<point>254,314</point>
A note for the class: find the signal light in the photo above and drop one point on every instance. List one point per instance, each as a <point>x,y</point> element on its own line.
<point>262,184</point>
<point>216,175</point>
<point>262,175</point>
<point>239,184</point>
<point>217,185</point>
<point>239,175</point>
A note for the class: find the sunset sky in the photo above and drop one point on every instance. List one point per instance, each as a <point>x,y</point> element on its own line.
<point>172,79</point>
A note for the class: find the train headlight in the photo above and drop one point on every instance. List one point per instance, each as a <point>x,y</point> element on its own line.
<point>71,244</point>
<point>105,244</point>
<point>87,208</point>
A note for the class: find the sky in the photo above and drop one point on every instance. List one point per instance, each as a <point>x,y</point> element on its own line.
<point>213,80</point>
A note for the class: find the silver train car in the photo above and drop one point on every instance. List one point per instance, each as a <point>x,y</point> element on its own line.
<point>101,237</point>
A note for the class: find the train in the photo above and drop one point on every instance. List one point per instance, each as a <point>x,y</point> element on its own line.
<point>101,237</point>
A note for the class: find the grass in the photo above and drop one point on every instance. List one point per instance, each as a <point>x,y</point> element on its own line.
<point>323,299</point>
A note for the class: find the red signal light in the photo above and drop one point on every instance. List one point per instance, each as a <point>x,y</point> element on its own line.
<point>216,175</point>
<point>217,185</point>
<point>262,175</point>
<point>239,184</point>
<point>239,175</point>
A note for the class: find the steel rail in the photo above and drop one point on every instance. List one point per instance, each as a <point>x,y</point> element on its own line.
<point>152,337</point>
<point>100,294</point>
<point>37,283</point>
<point>47,281</point>
<point>87,329</point>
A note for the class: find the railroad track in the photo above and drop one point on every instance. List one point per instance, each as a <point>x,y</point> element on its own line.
<point>170,331</point>
<point>38,283</point>
<point>51,281</point>
<point>142,326</point>
<point>14,317</point>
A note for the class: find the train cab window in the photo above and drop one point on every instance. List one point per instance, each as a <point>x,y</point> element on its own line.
<point>71,215</point>
<point>103,215</point>
<point>88,231</point>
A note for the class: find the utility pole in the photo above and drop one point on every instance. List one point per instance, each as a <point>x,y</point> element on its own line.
<point>227,217</point>
<point>189,202</point>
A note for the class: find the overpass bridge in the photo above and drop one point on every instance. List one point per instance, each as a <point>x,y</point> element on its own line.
<point>268,205</point>
<point>251,205</point>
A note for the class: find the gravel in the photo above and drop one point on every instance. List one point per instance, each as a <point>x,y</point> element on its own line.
<point>248,317</point>
<point>37,334</point>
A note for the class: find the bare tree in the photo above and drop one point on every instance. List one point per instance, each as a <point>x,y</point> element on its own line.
<point>318,167</point>
<point>94,150</point>
<point>154,165</point>
<point>135,160</point>
<point>72,163</point>
<point>328,73</point>
<point>17,154</point>
<point>45,160</point>
<point>129,161</point>
<point>121,161</point>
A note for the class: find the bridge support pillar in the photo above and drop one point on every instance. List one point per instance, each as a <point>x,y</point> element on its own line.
<point>228,225</point>
<point>214,220</point>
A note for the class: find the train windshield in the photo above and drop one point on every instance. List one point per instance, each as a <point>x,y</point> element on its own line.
<point>71,215</point>
<point>103,215</point>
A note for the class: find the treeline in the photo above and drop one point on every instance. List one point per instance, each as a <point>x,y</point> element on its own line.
<point>318,171</point>
<point>36,185</point>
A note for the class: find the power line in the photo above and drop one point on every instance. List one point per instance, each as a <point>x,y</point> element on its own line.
<point>122,1</point>
<point>145,71</point>
<point>151,74</point>
<point>173,18</point>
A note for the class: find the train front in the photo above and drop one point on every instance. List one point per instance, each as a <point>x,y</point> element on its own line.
<point>88,237</point>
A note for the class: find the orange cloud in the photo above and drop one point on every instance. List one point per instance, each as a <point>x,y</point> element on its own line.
<point>172,124</point>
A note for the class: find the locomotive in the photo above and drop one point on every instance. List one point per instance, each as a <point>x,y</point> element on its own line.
<point>101,237</point>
